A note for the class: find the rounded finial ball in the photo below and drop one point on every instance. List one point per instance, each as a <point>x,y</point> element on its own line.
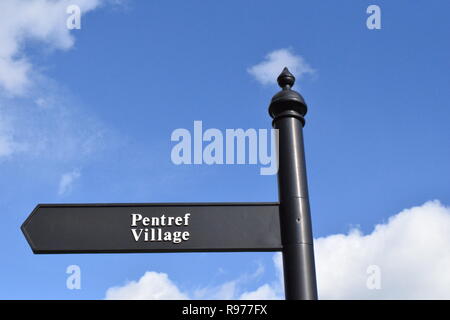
<point>286,78</point>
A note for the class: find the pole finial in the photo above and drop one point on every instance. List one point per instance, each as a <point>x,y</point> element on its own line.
<point>285,79</point>
<point>287,102</point>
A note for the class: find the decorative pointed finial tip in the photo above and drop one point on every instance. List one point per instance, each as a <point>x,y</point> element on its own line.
<point>286,79</point>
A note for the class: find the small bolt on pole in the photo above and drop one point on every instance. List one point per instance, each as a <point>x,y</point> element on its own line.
<point>288,109</point>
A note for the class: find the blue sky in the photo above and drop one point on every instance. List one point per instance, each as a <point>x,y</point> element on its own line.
<point>101,110</point>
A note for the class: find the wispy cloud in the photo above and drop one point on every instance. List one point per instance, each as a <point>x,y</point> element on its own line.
<point>49,125</point>
<point>410,250</point>
<point>67,180</point>
<point>267,71</point>
<point>236,288</point>
<point>7,144</point>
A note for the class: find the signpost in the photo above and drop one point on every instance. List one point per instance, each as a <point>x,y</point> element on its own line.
<point>202,227</point>
<point>125,228</point>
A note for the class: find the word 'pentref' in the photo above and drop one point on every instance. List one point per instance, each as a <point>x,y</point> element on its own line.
<point>152,230</point>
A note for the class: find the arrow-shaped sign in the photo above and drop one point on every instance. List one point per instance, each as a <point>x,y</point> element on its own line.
<point>107,228</point>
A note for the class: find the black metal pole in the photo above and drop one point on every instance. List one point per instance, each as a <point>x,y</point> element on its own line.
<point>287,110</point>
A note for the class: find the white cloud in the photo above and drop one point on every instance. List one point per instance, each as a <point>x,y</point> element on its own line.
<point>67,180</point>
<point>37,20</point>
<point>151,286</point>
<point>267,71</point>
<point>412,250</point>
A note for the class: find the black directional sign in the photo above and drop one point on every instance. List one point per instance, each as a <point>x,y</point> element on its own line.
<point>108,228</point>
